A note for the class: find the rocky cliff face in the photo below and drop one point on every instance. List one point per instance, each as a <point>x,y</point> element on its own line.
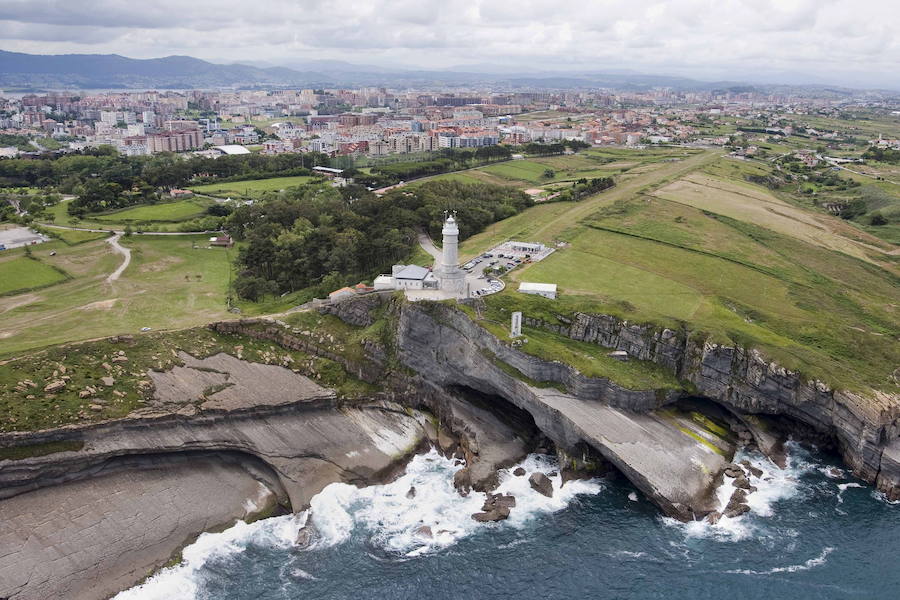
<point>676,471</point>
<point>864,427</point>
<point>235,438</point>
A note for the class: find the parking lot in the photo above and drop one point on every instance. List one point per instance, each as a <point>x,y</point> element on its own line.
<point>15,237</point>
<point>501,259</point>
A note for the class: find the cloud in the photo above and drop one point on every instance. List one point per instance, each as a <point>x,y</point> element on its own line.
<point>702,38</point>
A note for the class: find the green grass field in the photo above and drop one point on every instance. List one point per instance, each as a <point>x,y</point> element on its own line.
<point>169,284</point>
<point>252,188</point>
<point>520,170</point>
<point>72,237</point>
<point>168,212</point>
<point>727,258</point>
<point>19,272</point>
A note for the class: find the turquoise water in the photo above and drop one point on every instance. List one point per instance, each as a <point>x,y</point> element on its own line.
<point>809,535</point>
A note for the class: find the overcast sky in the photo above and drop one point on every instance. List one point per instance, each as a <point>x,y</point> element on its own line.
<point>855,42</point>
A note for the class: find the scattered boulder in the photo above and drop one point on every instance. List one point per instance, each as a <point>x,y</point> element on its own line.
<point>108,381</point>
<point>96,407</point>
<point>494,500</point>
<point>737,505</point>
<point>732,470</point>
<point>85,394</point>
<point>834,473</point>
<point>462,481</point>
<point>307,534</point>
<point>519,472</point>
<point>753,470</point>
<point>741,482</point>
<point>498,514</point>
<point>618,355</point>
<point>541,484</point>
<point>496,508</point>
<point>424,531</point>
<point>55,386</point>
<point>106,366</point>
<point>119,359</point>
<point>411,493</point>
<point>737,511</point>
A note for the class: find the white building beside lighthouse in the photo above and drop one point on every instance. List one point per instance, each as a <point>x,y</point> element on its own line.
<point>447,280</point>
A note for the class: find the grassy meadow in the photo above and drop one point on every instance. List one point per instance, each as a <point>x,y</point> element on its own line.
<point>19,272</point>
<point>169,284</point>
<point>168,212</point>
<point>681,247</point>
<point>252,188</point>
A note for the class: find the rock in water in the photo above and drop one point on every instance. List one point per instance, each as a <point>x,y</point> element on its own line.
<point>541,484</point>
<point>733,471</point>
<point>737,504</point>
<point>519,472</point>
<point>307,534</point>
<point>753,470</point>
<point>462,481</point>
<point>411,493</point>
<point>492,501</point>
<point>713,517</point>
<point>424,531</point>
<point>499,513</point>
<point>741,482</point>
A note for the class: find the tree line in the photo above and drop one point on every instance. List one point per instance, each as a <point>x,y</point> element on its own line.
<point>312,236</point>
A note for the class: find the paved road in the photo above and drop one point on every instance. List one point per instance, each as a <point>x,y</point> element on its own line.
<point>114,242</point>
<point>840,166</point>
<point>428,246</point>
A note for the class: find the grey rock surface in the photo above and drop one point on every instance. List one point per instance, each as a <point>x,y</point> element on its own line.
<point>88,539</point>
<point>674,469</point>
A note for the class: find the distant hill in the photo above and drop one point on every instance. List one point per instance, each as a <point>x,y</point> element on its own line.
<point>102,71</point>
<point>114,71</point>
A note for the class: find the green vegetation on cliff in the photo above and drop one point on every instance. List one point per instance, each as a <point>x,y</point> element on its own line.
<point>108,378</point>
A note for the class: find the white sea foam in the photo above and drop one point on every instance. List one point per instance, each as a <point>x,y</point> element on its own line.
<point>398,523</point>
<point>810,564</point>
<point>773,485</point>
<point>842,487</point>
<point>881,497</point>
<point>395,522</point>
<point>633,497</point>
<point>179,582</point>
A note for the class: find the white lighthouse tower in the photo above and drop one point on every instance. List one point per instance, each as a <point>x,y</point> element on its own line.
<point>453,279</point>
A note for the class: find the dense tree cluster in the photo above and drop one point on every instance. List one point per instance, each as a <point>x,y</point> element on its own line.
<point>311,236</point>
<point>887,155</point>
<point>585,187</point>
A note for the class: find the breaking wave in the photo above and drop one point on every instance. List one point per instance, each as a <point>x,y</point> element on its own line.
<point>398,520</point>
<point>806,566</point>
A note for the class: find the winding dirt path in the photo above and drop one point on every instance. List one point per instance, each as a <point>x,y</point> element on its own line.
<point>114,242</point>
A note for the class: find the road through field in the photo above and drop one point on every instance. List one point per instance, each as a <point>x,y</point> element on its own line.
<point>126,252</point>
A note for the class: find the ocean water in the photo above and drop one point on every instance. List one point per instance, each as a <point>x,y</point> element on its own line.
<point>813,532</point>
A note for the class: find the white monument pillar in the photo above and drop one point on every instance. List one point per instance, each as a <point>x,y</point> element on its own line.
<point>453,279</point>
<point>515,329</point>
